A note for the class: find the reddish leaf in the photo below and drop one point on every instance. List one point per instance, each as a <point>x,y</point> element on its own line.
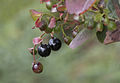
<point>61,8</point>
<point>78,6</point>
<point>52,23</point>
<point>30,49</point>
<point>41,1</point>
<point>37,40</point>
<point>61,14</point>
<point>80,38</point>
<point>113,36</point>
<point>38,23</point>
<point>117,7</point>
<point>35,14</point>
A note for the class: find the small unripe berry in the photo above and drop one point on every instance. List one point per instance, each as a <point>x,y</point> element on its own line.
<point>49,5</point>
<point>43,26</point>
<point>106,21</point>
<point>91,25</point>
<point>37,67</point>
<point>99,27</point>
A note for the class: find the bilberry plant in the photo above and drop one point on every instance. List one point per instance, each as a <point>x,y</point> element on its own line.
<point>74,16</point>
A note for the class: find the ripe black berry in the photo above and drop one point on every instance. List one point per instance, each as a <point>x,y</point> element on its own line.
<point>55,44</point>
<point>44,50</point>
<point>37,67</point>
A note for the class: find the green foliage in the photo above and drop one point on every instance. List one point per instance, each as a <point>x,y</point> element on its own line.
<point>98,17</point>
<point>112,26</point>
<point>101,35</point>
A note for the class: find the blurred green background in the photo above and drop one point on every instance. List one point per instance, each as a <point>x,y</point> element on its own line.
<point>92,62</point>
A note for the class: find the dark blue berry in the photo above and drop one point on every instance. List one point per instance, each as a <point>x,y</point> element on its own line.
<point>55,44</point>
<point>44,50</point>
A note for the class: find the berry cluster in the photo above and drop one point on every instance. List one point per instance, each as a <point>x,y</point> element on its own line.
<point>60,19</point>
<point>54,44</point>
<point>44,50</point>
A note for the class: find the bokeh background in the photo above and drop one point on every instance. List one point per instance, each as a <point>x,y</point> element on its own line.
<point>92,62</point>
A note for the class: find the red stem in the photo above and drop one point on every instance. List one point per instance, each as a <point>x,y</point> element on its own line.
<point>34,54</point>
